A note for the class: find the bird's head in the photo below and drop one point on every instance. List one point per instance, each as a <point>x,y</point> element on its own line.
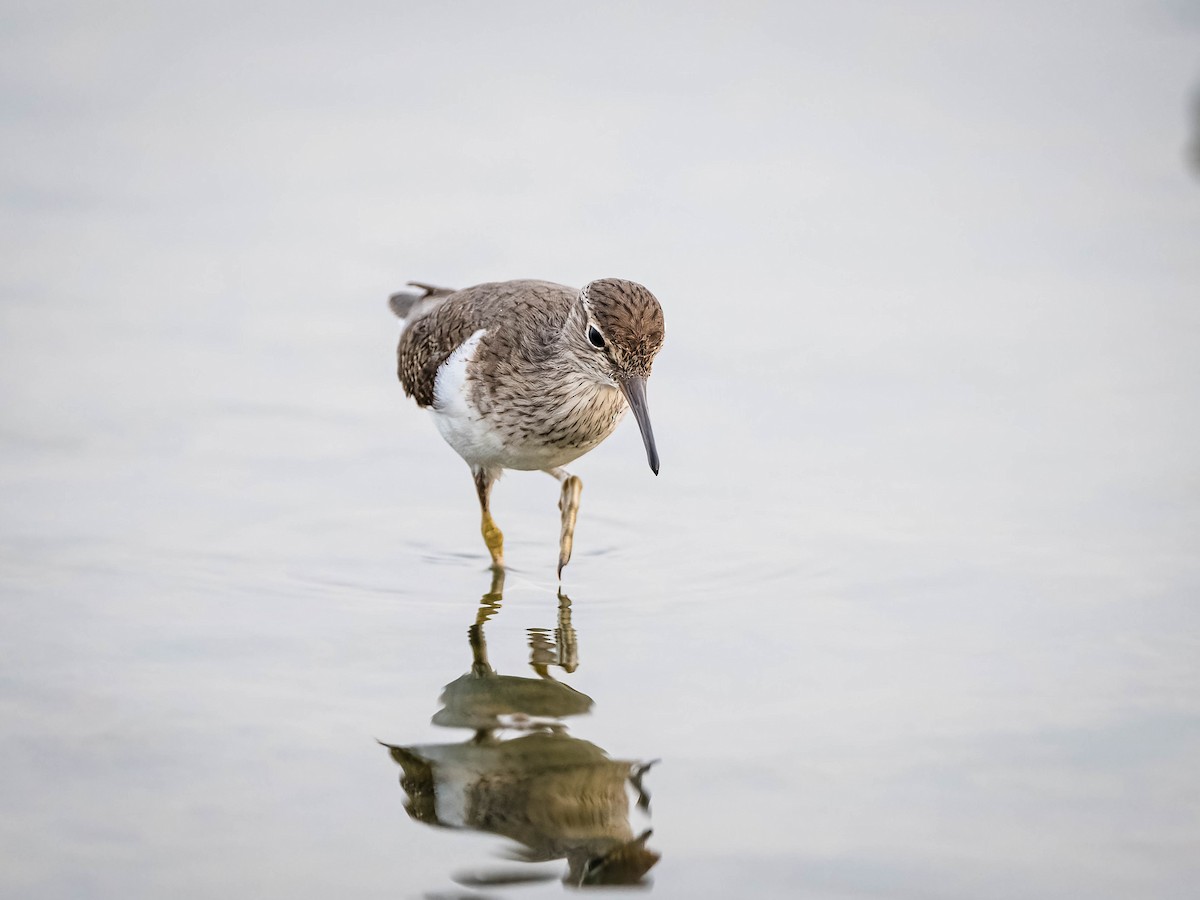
<point>623,330</point>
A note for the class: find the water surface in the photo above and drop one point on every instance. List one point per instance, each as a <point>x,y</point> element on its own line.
<point>910,610</point>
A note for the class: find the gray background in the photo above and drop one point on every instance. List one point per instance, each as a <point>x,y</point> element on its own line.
<point>911,610</point>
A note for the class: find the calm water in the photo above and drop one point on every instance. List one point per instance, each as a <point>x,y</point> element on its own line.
<point>910,611</point>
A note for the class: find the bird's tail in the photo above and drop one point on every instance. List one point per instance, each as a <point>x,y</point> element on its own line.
<point>403,302</point>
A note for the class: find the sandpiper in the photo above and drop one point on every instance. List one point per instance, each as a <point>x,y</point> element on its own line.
<point>529,375</point>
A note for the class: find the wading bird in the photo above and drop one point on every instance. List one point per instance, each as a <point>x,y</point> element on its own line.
<point>529,375</point>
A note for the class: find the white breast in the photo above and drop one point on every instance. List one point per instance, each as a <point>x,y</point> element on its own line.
<point>457,419</point>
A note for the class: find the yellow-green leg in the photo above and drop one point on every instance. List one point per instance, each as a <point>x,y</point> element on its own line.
<point>489,605</point>
<point>492,536</point>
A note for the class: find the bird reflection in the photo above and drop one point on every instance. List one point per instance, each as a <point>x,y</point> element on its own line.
<point>557,796</point>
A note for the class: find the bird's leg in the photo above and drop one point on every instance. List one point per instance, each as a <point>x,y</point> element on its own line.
<point>492,535</point>
<point>489,605</point>
<point>568,504</point>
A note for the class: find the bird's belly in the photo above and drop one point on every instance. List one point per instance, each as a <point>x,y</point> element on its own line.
<point>495,441</point>
<point>470,437</point>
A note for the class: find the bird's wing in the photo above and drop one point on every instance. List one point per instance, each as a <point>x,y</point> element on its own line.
<point>432,332</point>
<point>444,319</point>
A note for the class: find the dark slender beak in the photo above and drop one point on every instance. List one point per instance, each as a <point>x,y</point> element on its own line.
<point>634,389</point>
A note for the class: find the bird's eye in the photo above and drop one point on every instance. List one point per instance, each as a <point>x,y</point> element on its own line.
<point>595,338</point>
